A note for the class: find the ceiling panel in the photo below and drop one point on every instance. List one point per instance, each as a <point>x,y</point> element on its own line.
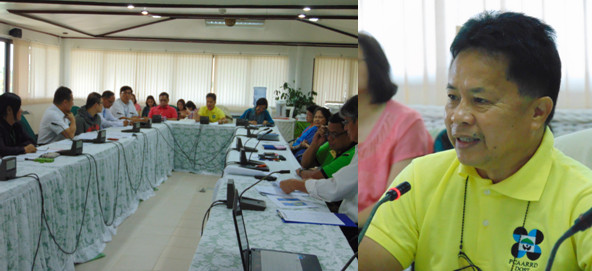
<point>96,19</point>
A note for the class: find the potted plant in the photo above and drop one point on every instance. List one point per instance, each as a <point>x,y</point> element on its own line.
<point>294,97</point>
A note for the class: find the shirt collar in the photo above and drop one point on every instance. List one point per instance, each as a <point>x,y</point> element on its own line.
<point>529,181</point>
<point>5,124</point>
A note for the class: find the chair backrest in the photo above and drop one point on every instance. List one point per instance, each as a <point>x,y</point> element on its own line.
<point>577,145</point>
<point>226,111</point>
<point>28,128</point>
<point>290,111</point>
<point>74,110</point>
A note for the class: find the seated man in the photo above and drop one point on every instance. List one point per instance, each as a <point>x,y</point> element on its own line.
<point>504,195</point>
<point>163,109</point>
<point>58,121</point>
<point>88,118</point>
<point>13,138</point>
<point>331,149</point>
<point>211,111</point>
<point>107,119</point>
<point>123,108</point>
<point>259,114</point>
<point>343,185</point>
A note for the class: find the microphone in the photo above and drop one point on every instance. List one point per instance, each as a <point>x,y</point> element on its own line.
<point>258,141</point>
<point>582,223</point>
<point>240,146</point>
<point>394,193</point>
<point>285,171</point>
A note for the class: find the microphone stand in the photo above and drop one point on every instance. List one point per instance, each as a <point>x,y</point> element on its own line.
<point>582,223</point>
<point>258,141</point>
<point>393,194</point>
<point>254,204</point>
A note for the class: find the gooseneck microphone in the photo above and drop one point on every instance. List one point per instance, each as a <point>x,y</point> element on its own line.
<point>393,194</point>
<point>582,223</point>
<point>249,203</point>
<point>285,171</point>
<point>258,141</point>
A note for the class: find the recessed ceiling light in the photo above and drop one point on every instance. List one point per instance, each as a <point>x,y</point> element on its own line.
<point>313,19</point>
<point>156,16</point>
<point>306,9</point>
<point>301,16</point>
<point>144,12</point>
<point>130,6</point>
<point>238,23</point>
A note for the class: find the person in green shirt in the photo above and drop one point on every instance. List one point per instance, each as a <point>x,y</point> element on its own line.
<point>330,150</point>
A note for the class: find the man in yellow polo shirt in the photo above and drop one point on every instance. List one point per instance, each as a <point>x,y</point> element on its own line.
<point>503,197</point>
<point>210,110</point>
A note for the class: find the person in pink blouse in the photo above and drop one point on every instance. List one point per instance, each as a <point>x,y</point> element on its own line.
<point>136,105</point>
<point>391,134</point>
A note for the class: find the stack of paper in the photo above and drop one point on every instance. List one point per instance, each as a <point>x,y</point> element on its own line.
<point>310,217</point>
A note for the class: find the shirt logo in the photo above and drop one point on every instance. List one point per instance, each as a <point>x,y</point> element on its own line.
<point>527,243</point>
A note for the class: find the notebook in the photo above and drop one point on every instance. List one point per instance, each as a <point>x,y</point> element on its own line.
<point>257,259</point>
<point>274,147</point>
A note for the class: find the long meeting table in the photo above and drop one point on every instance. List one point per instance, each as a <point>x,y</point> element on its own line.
<point>77,220</point>
<point>218,246</point>
<point>85,198</point>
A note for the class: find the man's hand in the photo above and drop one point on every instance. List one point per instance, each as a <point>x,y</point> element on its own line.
<point>126,123</point>
<point>319,137</point>
<point>290,185</point>
<point>265,122</point>
<point>222,121</point>
<point>70,117</point>
<point>254,122</point>
<point>30,148</point>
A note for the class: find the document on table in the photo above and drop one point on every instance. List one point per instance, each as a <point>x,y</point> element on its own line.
<point>290,202</point>
<point>310,217</point>
<point>89,135</point>
<point>118,135</point>
<point>274,189</point>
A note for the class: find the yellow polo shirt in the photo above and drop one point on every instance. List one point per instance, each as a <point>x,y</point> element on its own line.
<point>214,114</point>
<point>424,226</point>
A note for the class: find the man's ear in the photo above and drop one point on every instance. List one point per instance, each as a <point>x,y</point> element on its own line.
<point>541,109</point>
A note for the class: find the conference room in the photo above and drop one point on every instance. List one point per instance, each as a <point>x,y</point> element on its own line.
<point>142,124</point>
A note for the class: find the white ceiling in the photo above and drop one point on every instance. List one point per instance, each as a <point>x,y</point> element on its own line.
<point>184,20</point>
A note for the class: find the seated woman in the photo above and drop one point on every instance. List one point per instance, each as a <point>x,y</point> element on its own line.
<point>182,111</point>
<point>259,114</point>
<point>392,134</point>
<point>150,102</point>
<point>136,105</point>
<point>13,138</point>
<point>192,109</point>
<point>309,117</point>
<point>321,117</point>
